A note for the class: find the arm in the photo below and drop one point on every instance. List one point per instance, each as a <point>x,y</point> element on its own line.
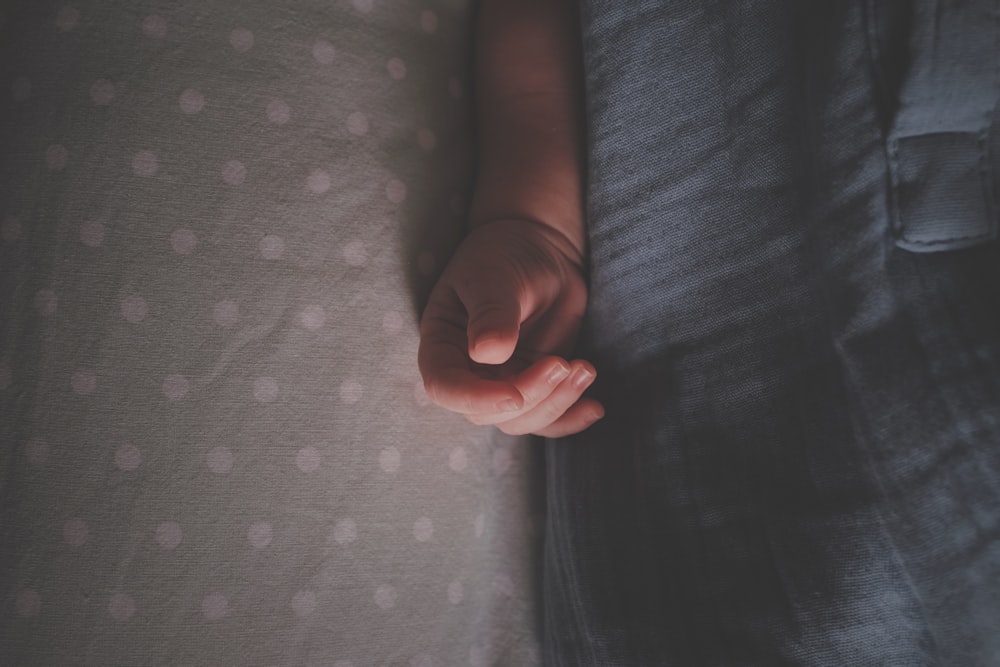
<point>528,104</point>
<point>508,307</point>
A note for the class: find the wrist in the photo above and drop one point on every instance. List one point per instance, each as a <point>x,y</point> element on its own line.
<point>536,233</point>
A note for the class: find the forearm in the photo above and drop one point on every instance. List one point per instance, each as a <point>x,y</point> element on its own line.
<point>528,103</point>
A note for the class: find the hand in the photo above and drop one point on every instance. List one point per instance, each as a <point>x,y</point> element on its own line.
<point>496,328</point>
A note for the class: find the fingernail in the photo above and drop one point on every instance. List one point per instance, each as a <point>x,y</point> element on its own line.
<point>582,378</point>
<point>508,405</point>
<point>557,374</point>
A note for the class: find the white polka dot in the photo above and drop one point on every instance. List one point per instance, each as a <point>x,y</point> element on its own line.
<point>357,123</point>
<point>323,52</point>
<point>458,460</point>
<point>420,396</point>
<point>46,302</point>
<point>215,606</point>
<point>278,112</point>
<point>312,317</point>
<point>351,392</point>
<point>455,592</point>
<point>68,18</point>
<point>503,585</point>
<point>502,459</point>
<point>37,452</point>
<point>128,457</point>
<point>154,26</point>
<point>241,39</point>
<point>175,387</point>
<point>479,524</point>
<point>428,21</point>
<point>169,534</point>
<point>260,534</point>
<point>75,532</point>
<point>226,314</point>
<point>192,101</point>
<point>389,459</point>
<point>121,607</point>
<point>56,157</point>
<point>396,68</point>
<point>423,529</point>
<point>134,309</point>
<point>345,531</point>
<point>10,229</point>
<point>220,460</point>
<point>455,87</point>
<point>307,459</point>
<point>92,233</point>
<point>6,377</point>
<point>20,90</point>
<point>392,322</point>
<point>83,381</point>
<point>145,164</point>
<point>426,139</point>
<point>385,597</point>
<point>395,191</point>
<point>272,247</point>
<point>234,172</point>
<point>477,657</point>
<point>355,253</point>
<point>318,181</point>
<point>265,389</point>
<point>183,241</point>
<point>425,262</point>
<point>28,603</point>
<point>422,660</point>
<point>363,5</point>
<point>102,92</point>
<point>304,603</point>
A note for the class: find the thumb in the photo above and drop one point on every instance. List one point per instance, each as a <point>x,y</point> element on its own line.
<point>494,322</point>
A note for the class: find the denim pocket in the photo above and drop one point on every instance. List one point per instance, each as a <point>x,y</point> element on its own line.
<point>937,69</point>
<point>943,197</point>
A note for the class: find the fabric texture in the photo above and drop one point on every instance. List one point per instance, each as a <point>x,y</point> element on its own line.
<point>218,222</point>
<point>800,462</point>
<point>940,159</point>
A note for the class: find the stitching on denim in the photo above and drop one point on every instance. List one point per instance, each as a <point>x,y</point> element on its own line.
<point>899,225</point>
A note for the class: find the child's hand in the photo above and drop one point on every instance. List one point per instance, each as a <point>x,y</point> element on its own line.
<point>497,323</point>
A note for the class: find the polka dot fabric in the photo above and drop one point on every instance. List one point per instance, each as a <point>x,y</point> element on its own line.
<point>218,222</point>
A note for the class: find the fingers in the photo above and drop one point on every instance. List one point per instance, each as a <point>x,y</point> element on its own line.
<point>465,392</point>
<point>553,403</point>
<point>579,417</point>
<point>535,384</point>
<point>546,416</point>
<point>454,387</point>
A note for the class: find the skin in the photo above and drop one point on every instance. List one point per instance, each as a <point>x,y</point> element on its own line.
<point>505,313</point>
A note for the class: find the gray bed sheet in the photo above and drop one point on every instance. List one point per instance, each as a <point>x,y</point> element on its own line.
<point>218,221</point>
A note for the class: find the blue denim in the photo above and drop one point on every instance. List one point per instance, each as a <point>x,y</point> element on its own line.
<point>795,316</point>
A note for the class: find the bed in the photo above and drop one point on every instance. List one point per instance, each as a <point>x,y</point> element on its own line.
<point>219,220</point>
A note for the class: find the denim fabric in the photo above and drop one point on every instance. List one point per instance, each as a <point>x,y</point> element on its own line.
<point>800,462</point>
<point>938,143</point>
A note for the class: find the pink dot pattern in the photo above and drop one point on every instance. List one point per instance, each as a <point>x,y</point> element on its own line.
<point>225,219</point>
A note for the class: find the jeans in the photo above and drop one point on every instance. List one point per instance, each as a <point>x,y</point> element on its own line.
<point>795,317</point>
